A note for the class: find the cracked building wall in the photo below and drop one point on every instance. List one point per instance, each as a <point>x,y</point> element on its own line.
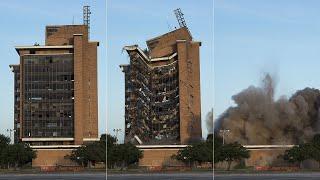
<point>162,90</point>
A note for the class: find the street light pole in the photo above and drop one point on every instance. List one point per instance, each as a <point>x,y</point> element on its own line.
<point>10,131</point>
<point>224,131</point>
<point>116,131</point>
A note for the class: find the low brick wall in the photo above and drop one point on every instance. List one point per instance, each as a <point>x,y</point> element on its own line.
<point>159,158</point>
<point>263,159</point>
<point>49,158</point>
<point>266,157</point>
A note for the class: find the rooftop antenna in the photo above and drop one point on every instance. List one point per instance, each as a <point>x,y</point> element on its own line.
<point>180,18</point>
<point>181,21</point>
<point>86,18</point>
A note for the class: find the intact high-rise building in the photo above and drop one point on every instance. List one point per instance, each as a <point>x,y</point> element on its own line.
<point>162,90</point>
<point>55,89</point>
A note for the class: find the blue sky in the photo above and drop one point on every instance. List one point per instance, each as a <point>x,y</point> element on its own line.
<point>23,23</point>
<point>133,23</point>
<point>253,37</point>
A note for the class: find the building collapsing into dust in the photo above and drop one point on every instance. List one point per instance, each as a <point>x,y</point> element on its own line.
<point>162,90</point>
<point>268,126</point>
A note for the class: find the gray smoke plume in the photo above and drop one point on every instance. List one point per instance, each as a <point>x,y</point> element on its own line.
<point>259,119</point>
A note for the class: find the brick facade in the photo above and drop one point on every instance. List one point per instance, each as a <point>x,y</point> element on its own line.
<point>163,82</point>
<point>76,124</point>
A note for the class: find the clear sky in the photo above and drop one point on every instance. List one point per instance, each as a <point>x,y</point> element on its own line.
<point>135,22</point>
<point>253,37</point>
<point>23,23</point>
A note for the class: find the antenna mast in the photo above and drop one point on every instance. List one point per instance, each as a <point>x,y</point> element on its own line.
<point>180,18</point>
<point>86,18</point>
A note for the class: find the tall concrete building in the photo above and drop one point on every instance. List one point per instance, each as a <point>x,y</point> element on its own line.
<point>162,90</point>
<point>55,102</point>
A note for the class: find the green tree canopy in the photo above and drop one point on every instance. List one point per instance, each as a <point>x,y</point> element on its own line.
<point>111,156</point>
<point>121,154</point>
<point>210,137</point>
<point>20,154</point>
<point>185,155</point>
<point>126,154</point>
<point>4,141</point>
<point>304,151</point>
<point>15,155</point>
<point>92,152</point>
<point>198,152</point>
<point>232,152</point>
<point>218,155</point>
<point>294,155</point>
<point>316,140</point>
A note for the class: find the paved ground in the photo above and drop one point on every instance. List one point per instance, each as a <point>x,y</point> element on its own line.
<point>63,176</point>
<point>269,176</point>
<point>163,176</point>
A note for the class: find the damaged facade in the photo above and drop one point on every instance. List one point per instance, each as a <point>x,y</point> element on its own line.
<point>56,91</point>
<point>162,90</point>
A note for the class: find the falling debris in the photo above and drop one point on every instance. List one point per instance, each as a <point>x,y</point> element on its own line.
<point>259,119</point>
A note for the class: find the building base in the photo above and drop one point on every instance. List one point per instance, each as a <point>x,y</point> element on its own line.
<point>52,158</point>
<point>159,156</point>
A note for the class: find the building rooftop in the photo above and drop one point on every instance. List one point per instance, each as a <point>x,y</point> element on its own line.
<point>42,47</point>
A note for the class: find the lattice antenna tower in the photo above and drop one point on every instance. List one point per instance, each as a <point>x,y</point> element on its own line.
<point>180,18</point>
<point>86,17</point>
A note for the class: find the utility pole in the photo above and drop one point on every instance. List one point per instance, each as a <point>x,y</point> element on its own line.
<point>223,132</point>
<point>116,131</point>
<point>10,131</point>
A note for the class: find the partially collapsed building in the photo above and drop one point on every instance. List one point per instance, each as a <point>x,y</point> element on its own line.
<point>162,90</point>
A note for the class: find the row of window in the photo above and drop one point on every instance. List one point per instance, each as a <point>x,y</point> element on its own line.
<point>47,60</point>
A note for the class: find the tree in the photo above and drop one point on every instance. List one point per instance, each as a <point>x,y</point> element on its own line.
<point>209,144</point>
<point>90,153</point>
<point>20,154</point>
<point>210,137</point>
<point>15,155</point>
<point>315,151</point>
<point>79,155</point>
<point>103,143</point>
<point>95,153</point>
<point>121,154</point>
<point>294,155</point>
<point>126,154</point>
<point>218,155</point>
<point>198,152</point>
<point>233,152</point>
<point>111,156</point>
<point>4,143</point>
<point>304,151</point>
<point>103,139</point>
<point>202,152</point>
<point>185,155</point>
<point>316,140</point>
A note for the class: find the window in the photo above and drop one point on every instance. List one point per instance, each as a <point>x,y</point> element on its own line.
<point>45,81</point>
